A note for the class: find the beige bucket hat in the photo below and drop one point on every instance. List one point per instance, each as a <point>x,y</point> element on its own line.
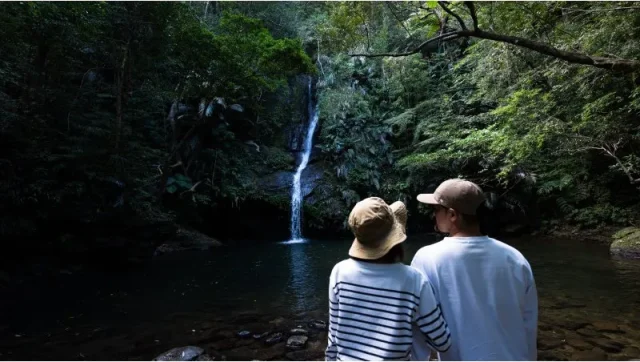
<point>377,226</point>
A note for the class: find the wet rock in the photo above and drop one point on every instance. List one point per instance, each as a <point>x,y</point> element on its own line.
<point>608,345</point>
<point>596,354</point>
<point>260,336</point>
<point>587,332</point>
<point>296,342</point>
<point>274,338</point>
<point>626,243</point>
<point>298,331</point>
<point>318,324</point>
<point>579,344</point>
<point>549,343</point>
<point>632,352</point>
<point>188,353</point>
<point>605,326</point>
<point>186,239</point>
<point>244,334</point>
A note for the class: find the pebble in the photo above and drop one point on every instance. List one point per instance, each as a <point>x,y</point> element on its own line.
<point>298,331</point>
<point>274,338</point>
<point>244,334</point>
<point>260,336</point>
<point>318,324</point>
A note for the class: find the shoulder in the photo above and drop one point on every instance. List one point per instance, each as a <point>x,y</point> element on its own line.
<point>428,254</point>
<point>512,253</point>
<point>342,265</point>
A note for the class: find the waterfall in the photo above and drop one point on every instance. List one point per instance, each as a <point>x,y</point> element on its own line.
<point>296,193</point>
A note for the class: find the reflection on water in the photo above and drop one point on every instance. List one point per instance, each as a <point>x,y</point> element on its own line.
<point>299,283</point>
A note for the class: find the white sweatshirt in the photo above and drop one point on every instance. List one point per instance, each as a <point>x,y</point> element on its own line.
<point>488,297</point>
<point>373,309</point>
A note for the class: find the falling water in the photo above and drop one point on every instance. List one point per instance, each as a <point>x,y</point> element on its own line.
<point>296,194</point>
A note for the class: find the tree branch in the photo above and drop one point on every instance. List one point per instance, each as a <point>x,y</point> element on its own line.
<point>443,5</point>
<point>443,37</point>
<point>472,12</point>
<point>620,65</point>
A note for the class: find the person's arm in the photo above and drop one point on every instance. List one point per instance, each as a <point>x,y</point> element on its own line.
<point>530,315</point>
<point>430,321</point>
<point>331,352</point>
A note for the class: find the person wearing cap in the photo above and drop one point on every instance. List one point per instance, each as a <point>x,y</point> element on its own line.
<point>485,287</point>
<point>374,298</point>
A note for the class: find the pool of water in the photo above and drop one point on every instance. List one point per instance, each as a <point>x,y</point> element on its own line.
<point>589,304</point>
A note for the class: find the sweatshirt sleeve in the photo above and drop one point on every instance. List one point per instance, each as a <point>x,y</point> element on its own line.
<point>331,352</point>
<point>430,321</point>
<point>530,315</point>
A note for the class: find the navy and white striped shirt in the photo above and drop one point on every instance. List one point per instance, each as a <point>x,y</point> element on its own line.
<point>373,309</point>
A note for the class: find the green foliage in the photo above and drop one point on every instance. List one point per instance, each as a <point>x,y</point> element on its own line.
<point>519,123</point>
<point>84,103</point>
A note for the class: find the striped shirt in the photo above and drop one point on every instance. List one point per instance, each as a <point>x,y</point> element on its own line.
<point>373,309</point>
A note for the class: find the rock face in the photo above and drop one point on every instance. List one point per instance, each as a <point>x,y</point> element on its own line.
<point>188,353</point>
<point>626,243</point>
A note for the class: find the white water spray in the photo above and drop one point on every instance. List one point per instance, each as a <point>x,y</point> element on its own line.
<point>296,194</point>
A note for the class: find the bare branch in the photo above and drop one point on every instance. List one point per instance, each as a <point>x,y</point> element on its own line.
<point>596,10</point>
<point>613,64</point>
<point>443,37</point>
<point>443,5</point>
<point>472,12</point>
<point>192,189</point>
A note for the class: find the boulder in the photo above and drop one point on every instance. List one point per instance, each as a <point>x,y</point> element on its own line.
<point>626,243</point>
<point>188,353</point>
<point>186,239</point>
<point>297,342</point>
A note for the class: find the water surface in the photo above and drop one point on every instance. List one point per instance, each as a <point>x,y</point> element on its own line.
<point>589,304</point>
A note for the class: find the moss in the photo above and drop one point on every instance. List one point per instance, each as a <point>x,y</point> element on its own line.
<point>624,232</point>
<point>626,243</point>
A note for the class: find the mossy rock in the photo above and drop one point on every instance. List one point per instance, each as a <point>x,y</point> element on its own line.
<point>626,243</point>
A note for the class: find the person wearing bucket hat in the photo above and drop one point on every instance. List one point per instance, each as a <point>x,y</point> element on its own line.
<point>485,287</point>
<point>374,298</point>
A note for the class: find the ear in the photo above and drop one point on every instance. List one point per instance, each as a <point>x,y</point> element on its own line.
<point>453,215</point>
